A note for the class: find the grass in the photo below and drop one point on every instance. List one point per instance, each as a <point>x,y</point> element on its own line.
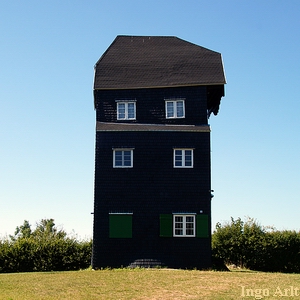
<point>148,284</point>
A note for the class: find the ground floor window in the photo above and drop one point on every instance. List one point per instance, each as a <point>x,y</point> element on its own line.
<point>184,225</point>
<point>120,225</point>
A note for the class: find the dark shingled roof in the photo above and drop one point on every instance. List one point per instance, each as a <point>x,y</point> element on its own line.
<point>156,61</point>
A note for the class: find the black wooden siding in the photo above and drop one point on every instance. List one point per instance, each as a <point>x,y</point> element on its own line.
<point>152,187</point>
<point>150,104</point>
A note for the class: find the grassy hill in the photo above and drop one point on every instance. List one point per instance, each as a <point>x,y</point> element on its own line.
<point>149,284</point>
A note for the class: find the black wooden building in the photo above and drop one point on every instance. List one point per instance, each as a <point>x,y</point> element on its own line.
<point>153,97</point>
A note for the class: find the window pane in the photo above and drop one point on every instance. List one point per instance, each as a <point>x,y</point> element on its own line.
<point>178,158</point>
<point>118,158</point>
<point>121,110</point>
<point>188,158</point>
<point>190,231</point>
<point>189,225</point>
<point>179,109</point>
<point>127,158</point>
<point>189,219</point>
<point>131,111</point>
<point>178,219</point>
<point>178,163</point>
<point>178,232</point>
<point>170,109</point>
<point>178,225</point>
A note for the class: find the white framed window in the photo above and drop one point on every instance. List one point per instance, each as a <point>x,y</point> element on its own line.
<point>183,158</point>
<point>126,110</point>
<point>175,108</point>
<point>122,158</point>
<point>184,226</point>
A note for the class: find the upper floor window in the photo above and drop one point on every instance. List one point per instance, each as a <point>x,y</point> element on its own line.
<point>183,158</point>
<point>184,225</point>
<point>123,158</point>
<point>126,110</point>
<point>175,108</point>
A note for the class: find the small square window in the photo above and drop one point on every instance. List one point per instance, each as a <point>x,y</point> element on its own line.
<point>183,158</point>
<point>175,109</point>
<point>122,158</point>
<point>183,225</point>
<point>126,110</point>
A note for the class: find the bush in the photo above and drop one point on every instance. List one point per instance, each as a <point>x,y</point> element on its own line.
<point>45,249</point>
<point>248,244</point>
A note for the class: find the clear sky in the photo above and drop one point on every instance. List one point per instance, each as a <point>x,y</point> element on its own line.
<point>47,120</point>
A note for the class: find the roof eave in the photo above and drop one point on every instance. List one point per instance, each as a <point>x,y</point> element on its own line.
<point>158,86</point>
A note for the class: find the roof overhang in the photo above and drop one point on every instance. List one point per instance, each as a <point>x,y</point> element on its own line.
<point>110,127</point>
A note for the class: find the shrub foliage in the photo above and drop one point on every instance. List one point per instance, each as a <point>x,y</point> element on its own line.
<point>44,249</point>
<point>245,244</point>
<point>248,244</point>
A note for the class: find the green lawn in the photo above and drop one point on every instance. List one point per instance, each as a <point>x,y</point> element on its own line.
<point>149,284</point>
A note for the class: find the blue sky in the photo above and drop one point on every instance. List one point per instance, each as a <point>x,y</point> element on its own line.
<point>47,120</point>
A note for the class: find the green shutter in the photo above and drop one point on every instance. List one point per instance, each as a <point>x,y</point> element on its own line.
<point>166,225</point>
<point>120,226</point>
<point>202,226</point>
